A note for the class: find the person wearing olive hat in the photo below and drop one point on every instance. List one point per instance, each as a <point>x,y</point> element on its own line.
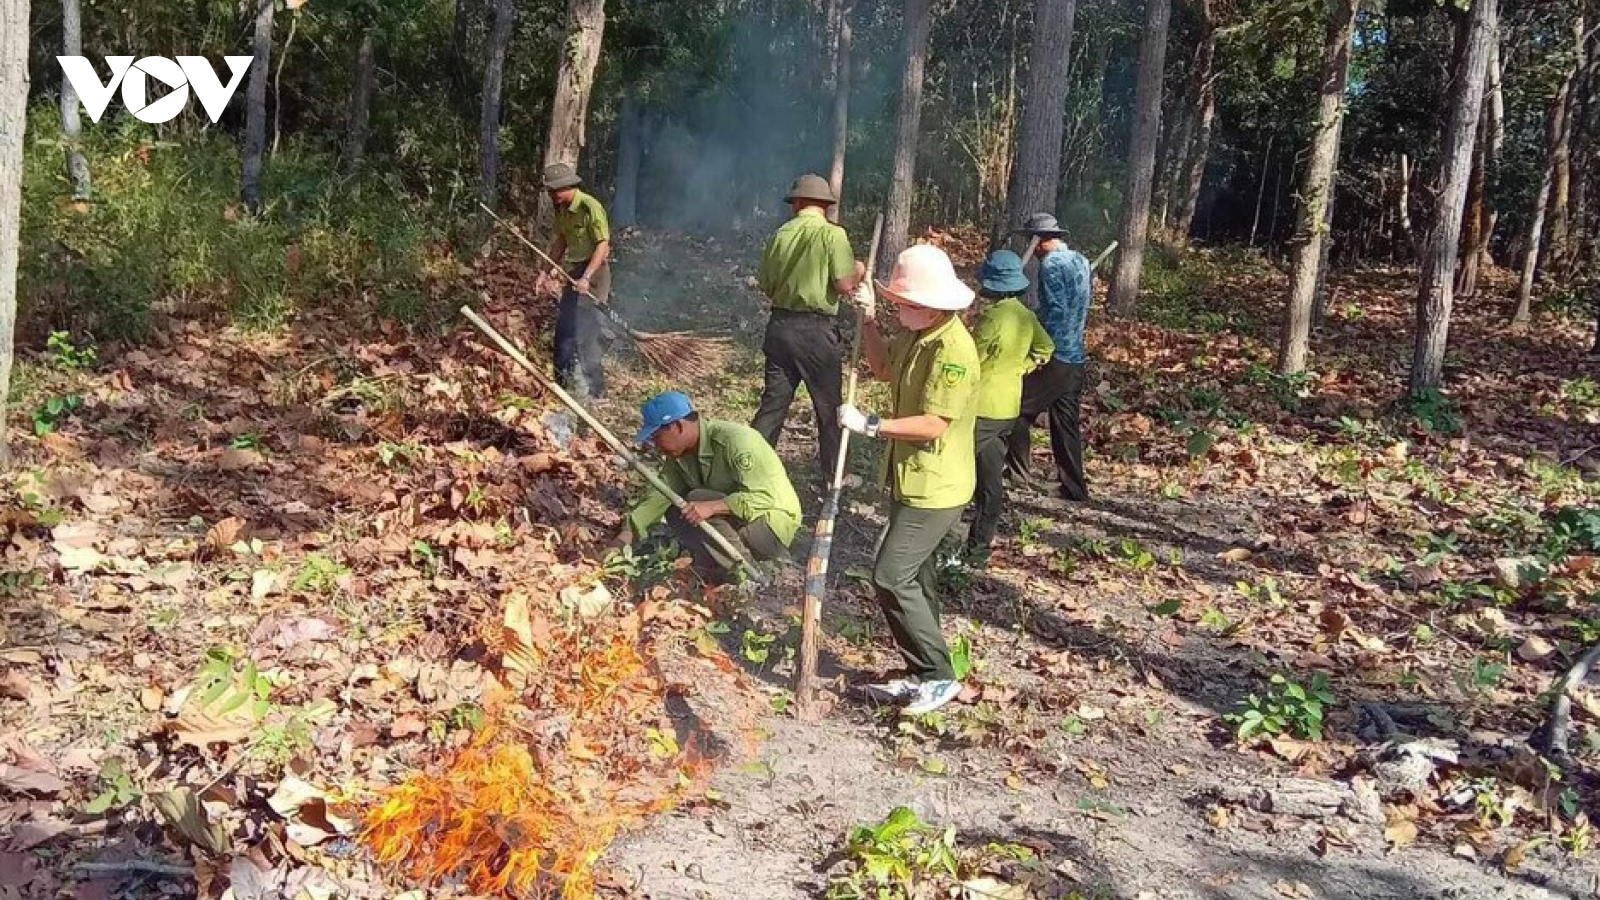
<point>1065,288</point>
<point>932,369</point>
<point>808,265</point>
<point>1011,343</point>
<point>730,477</point>
<point>583,246</point>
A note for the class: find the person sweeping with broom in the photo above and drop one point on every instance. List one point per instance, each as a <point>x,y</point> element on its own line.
<point>1011,343</point>
<point>730,477</point>
<point>808,265</point>
<point>932,370</point>
<point>583,246</point>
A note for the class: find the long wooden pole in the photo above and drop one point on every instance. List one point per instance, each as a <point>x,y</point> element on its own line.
<point>617,445</point>
<point>822,538</point>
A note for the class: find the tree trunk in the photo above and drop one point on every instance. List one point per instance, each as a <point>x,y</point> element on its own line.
<point>72,45</point>
<point>1205,72</point>
<point>1556,128</point>
<point>1036,172</point>
<point>489,116</point>
<point>1496,133</point>
<point>1319,293</point>
<point>1124,295</point>
<point>255,114</point>
<point>1435,289</point>
<point>630,157</point>
<point>1476,218</point>
<point>460,25</point>
<point>13,122</point>
<point>360,104</point>
<point>1316,189</point>
<point>569,111</point>
<point>1403,203</point>
<point>908,125</point>
<point>843,38</point>
<point>1561,159</point>
<point>1261,189</point>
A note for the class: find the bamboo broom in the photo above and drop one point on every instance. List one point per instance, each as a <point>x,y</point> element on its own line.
<point>680,354</point>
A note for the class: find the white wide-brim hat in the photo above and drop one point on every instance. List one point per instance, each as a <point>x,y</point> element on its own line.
<point>924,275</point>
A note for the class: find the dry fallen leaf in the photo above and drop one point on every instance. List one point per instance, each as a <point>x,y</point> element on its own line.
<point>182,810</point>
<point>30,781</point>
<point>407,725</point>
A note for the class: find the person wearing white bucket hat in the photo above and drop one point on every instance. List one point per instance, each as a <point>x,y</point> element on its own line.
<point>932,370</point>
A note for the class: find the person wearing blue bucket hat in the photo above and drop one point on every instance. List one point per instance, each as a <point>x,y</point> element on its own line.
<point>1011,343</point>
<point>729,475</point>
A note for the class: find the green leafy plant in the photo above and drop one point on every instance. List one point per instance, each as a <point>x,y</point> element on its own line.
<point>756,646</point>
<point>116,789</point>
<point>1435,412</point>
<point>250,440</point>
<point>1288,708</point>
<point>1030,530</point>
<point>49,415</point>
<point>1134,555</point>
<point>67,355</point>
<point>961,661</point>
<point>1582,392</point>
<point>1266,591</point>
<point>399,456</point>
<point>319,574</point>
<point>895,858</point>
<point>654,564</point>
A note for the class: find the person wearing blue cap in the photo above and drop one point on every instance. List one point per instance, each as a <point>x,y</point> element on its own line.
<point>730,476</point>
<point>1011,343</point>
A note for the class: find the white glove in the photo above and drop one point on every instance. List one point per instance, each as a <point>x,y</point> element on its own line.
<point>858,421</point>
<point>865,299</point>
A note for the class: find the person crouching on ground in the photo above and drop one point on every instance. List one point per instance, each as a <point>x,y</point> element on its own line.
<point>730,476</point>
<point>1011,343</point>
<point>932,370</point>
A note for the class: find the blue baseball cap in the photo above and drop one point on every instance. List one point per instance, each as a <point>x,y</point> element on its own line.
<point>660,411</point>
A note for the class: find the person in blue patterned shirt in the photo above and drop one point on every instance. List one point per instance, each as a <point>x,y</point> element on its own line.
<point>1057,387</point>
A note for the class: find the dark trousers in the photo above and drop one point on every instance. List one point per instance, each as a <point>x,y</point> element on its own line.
<point>755,540</point>
<point>905,578</point>
<point>582,336</point>
<point>1057,388</point>
<point>803,348</point>
<point>990,496</point>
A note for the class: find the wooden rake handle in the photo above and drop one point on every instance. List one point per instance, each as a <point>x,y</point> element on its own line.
<point>822,538</point>
<point>633,461</point>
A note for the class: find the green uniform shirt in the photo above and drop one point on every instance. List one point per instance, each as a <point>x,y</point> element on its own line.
<point>583,225</point>
<point>936,373</point>
<point>1011,343</point>
<point>802,262</point>
<point>734,460</point>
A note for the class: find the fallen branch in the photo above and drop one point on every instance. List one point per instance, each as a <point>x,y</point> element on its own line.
<point>136,865</point>
<point>1552,737</point>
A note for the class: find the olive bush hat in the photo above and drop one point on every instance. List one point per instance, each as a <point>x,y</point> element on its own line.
<point>811,187</point>
<point>560,176</point>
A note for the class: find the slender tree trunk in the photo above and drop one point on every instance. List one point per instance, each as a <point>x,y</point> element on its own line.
<point>1316,189</point>
<point>630,157</point>
<point>844,37</point>
<point>1205,112</point>
<point>569,111</point>
<point>1403,203</point>
<point>1036,170</point>
<point>72,45</point>
<point>1124,294</point>
<point>255,110</point>
<point>1496,134</point>
<point>13,122</point>
<point>460,24</point>
<point>489,116</point>
<point>1319,294</point>
<point>908,126</point>
<point>1561,157</point>
<point>1261,189</point>
<point>1556,128</point>
<point>360,103</point>
<point>1435,288</point>
<point>1476,218</point>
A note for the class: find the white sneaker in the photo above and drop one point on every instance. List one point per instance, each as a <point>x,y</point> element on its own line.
<point>896,691</point>
<point>931,695</point>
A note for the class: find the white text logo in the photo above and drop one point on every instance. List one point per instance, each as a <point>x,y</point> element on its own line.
<point>188,72</point>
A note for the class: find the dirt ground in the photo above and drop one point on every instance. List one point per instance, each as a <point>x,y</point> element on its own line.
<point>1123,806</point>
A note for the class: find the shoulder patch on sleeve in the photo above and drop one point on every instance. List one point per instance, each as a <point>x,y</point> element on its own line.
<point>744,462</point>
<point>952,374</point>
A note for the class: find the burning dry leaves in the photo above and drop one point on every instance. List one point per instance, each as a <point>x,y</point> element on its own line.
<point>272,602</point>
